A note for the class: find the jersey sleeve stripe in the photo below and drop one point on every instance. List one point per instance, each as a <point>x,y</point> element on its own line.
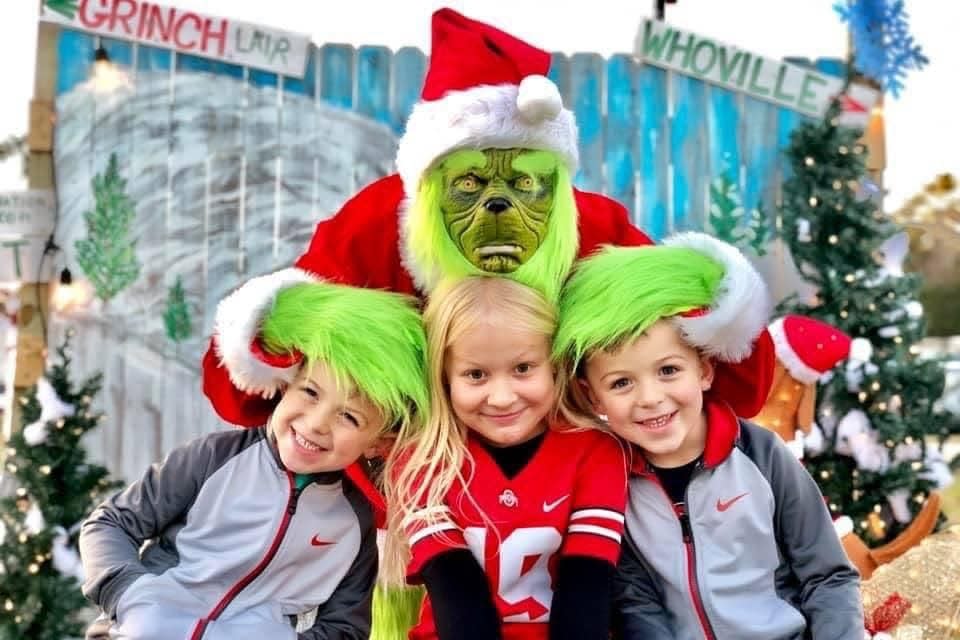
<point>429,531</point>
<point>595,530</point>
<point>607,514</point>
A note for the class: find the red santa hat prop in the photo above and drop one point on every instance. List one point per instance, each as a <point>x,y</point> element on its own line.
<point>484,89</point>
<point>808,348</point>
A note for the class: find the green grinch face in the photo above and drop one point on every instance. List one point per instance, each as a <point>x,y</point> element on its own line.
<point>496,204</point>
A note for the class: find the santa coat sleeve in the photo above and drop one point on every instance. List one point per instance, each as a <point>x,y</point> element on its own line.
<point>358,246</point>
<point>604,221</point>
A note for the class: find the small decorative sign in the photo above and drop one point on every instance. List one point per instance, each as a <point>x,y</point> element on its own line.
<point>805,90</point>
<point>185,31</point>
<point>26,213</point>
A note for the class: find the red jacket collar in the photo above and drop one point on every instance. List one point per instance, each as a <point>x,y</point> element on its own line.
<point>723,429</point>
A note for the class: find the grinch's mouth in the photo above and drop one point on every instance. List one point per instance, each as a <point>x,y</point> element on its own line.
<point>499,250</point>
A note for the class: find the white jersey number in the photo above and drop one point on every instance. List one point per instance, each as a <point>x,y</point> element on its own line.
<point>524,583</point>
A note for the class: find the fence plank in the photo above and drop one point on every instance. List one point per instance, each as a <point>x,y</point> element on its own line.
<point>409,67</point>
<point>373,83</point>
<point>559,73</point>
<point>191,132</point>
<point>149,173</point>
<point>619,175</point>
<point>75,55</point>
<point>688,153</point>
<point>336,79</point>
<point>653,146</point>
<point>586,78</point>
<point>307,85</point>
<point>761,159</point>
<point>724,119</point>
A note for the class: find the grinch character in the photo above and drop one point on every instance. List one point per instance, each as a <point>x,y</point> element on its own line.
<point>483,187</point>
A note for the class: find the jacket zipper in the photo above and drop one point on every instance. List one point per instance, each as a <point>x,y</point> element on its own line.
<point>692,585</point>
<point>252,575</point>
<point>680,510</point>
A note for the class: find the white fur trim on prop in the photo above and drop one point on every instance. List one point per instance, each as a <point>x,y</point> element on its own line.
<point>487,117</point>
<point>843,526</point>
<point>237,323</point>
<point>785,353</point>
<point>741,309</point>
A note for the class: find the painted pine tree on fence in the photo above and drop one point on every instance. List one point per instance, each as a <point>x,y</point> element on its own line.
<point>107,255</point>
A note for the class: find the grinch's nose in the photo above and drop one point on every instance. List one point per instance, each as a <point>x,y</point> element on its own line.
<point>497,205</point>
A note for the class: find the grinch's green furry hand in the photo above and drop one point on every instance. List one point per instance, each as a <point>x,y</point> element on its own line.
<point>496,204</point>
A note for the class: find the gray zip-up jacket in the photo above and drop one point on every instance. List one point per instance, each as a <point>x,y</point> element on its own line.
<point>234,548</point>
<point>752,555</point>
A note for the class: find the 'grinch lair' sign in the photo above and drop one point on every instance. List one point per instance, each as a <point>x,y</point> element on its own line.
<point>799,88</point>
<point>185,31</point>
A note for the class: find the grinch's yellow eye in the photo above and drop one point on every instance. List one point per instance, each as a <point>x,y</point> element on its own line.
<point>524,183</point>
<point>468,184</point>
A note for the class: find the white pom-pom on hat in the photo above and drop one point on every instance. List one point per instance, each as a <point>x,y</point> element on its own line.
<point>538,99</point>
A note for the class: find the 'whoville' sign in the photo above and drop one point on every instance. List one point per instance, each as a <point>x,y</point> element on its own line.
<point>793,86</point>
<point>185,31</point>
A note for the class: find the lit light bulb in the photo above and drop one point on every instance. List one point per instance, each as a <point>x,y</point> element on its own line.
<point>808,161</point>
<point>813,201</point>
<point>69,294</point>
<point>833,239</point>
<point>106,77</point>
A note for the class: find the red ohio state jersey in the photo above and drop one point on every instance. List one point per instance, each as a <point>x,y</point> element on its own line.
<point>568,500</point>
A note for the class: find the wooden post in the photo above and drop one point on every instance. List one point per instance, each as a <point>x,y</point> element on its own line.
<point>31,339</point>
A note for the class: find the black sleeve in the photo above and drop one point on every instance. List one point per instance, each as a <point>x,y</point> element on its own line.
<point>463,607</point>
<point>582,599</point>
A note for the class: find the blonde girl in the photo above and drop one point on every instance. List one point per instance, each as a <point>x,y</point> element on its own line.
<point>510,518</point>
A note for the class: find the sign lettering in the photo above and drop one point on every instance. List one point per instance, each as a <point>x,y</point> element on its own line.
<point>185,31</point>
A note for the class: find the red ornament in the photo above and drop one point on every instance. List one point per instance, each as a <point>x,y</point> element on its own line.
<point>888,615</point>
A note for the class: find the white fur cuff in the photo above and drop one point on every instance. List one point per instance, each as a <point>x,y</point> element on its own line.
<point>237,323</point>
<point>739,312</point>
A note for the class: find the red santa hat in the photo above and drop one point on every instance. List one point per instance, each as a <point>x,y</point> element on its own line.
<point>484,89</point>
<point>808,348</point>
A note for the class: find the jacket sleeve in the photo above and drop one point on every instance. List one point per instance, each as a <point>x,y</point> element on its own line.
<point>829,585</point>
<point>110,539</point>
<point>639,612</point>
<point>347,614</point>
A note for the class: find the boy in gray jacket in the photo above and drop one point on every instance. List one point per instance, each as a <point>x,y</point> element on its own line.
<point>247,529</point>
<point>727,534</point>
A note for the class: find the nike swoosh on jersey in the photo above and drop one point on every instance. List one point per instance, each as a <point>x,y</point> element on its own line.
<point>550,506</point>
<point>317,542</point>
<point>723,505</point>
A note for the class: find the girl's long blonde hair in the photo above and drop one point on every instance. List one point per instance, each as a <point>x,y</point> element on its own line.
<point>428,461</point>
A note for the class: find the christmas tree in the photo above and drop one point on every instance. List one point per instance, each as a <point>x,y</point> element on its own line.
<point>176,317</point>
<point>877,461</point>
<point>53,488</point>
<point>107,254</point>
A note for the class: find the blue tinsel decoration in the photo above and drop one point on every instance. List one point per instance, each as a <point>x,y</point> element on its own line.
<point>883,46</point>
